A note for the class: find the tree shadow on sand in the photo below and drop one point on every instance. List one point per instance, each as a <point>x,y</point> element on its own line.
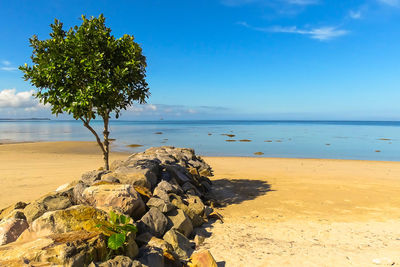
<point>235,191</point>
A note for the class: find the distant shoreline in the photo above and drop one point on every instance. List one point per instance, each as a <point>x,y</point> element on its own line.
<point>25,119</point>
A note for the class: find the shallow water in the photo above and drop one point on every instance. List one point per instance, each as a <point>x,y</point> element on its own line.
<point>289,139</point>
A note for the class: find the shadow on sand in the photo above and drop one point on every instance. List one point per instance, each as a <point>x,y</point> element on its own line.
<point>235,191</point>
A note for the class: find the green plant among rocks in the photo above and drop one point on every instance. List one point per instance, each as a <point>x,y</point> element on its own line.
<point>117,228</point>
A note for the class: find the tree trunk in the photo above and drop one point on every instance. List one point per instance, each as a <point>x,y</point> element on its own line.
<point>101,145</point>
<point>106,150</point>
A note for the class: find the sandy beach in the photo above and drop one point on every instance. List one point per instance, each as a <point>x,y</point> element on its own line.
<point>277,212</point>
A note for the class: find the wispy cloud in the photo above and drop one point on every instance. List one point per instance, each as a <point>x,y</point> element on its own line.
<point>278,7</point>
<point>394,3</point>
<point>269,2</point>
<point>6,66</point>
<point>318,33</point>
<point>163,110</point>
<point>355,14</point>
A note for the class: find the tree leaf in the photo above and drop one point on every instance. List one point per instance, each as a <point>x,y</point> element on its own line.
<point>113,217</point>
<point>115,241</point>
<point>123,219</point>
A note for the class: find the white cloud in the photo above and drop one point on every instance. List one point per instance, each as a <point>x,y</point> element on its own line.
<point>355,14</point>
<point>321,33</point>
<point>394,3</point>
<point>10,98</point>
<point>24,105</point>
<point>6,62</point>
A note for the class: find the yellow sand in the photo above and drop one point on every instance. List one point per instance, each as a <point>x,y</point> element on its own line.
<point>278,212</point>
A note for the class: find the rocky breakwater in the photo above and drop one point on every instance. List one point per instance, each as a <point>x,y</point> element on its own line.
<point>162,191</point>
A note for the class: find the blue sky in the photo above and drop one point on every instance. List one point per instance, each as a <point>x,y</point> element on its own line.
<point>232,59</point>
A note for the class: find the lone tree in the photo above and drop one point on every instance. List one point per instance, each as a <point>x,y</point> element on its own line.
<point>88,73</point>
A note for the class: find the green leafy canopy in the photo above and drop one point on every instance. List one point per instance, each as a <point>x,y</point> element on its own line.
<point>86,71</point>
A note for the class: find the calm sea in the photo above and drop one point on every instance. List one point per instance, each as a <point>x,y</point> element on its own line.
<point>290,139</point>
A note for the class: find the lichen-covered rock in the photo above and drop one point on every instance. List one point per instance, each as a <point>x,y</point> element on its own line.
<point>49,202</point>
<point>61,221</point>
<point>179,242</point>
<point>177,219</point>
<point>77,248</point>
<point>119,197</point>
<point>202,258</point>
<point>154,222</point>
<point>162,205</point>
<point>11,229</point>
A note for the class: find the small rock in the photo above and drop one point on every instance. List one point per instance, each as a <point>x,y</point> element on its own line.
<point>11,229</point>
<point>199,240</point>
<point>118,261</point>
<point>90,177</point>
<point>177,219</point>
<point>179,242</point>
<point>162,205</point>
<point>151,256</point>
<point>383,261</point>
<point>202,258</point>
<point>154,222</point>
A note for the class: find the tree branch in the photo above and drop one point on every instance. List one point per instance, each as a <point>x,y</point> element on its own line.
<point>86,124</point>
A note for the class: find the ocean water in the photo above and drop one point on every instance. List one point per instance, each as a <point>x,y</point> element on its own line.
<point>364,140</point>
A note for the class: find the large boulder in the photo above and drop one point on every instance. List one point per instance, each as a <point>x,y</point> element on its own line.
<point>179,242</point>
<point>120,197</point>
<point>73,249</point>
<point>154,222</point>
<point>61,221</point>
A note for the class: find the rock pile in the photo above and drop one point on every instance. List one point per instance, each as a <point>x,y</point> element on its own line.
<point>163,190</point>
